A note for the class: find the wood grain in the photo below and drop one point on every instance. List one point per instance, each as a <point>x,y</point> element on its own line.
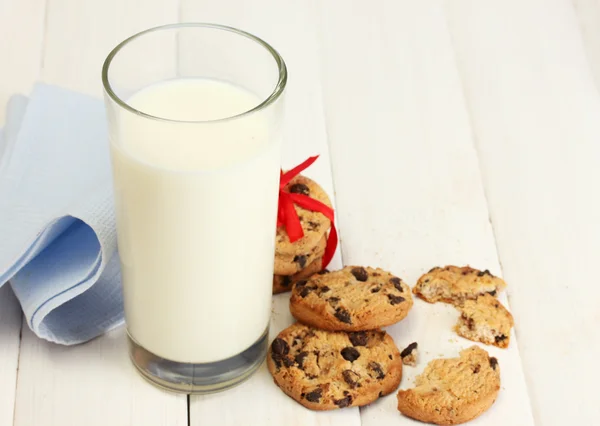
<point>536,115</point>
<point>407,178</point>
<point>22,23</point>
<point>59,385</point>
<point>10,327</point>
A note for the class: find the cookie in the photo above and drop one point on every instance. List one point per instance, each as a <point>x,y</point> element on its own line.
<point>283,283</point>
<point>325,370</point>
<point>352,299</point>
<point>485,320</point>
<point>294,263</point>
<point>314,224</point>
<point>453,391</point>
<point>409,354</point>
<point>454,284</point>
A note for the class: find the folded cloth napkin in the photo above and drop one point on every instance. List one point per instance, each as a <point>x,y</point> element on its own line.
<point>58,243</point>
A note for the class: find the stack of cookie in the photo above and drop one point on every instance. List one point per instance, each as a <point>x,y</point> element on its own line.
<point>337,356</point>
<point>299,260</point>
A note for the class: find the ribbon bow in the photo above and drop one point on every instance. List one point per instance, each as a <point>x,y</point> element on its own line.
<point>287,216</point>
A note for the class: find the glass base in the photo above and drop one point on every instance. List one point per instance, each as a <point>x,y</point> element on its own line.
<point>200,378</point>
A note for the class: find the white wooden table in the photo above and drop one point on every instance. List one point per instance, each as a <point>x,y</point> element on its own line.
<point>449,131</point>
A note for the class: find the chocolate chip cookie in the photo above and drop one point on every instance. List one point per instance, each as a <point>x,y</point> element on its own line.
<point>453,391</point>
<point>283,283</point>
<point>325,370</point>
<point>314,224</point>
<point>296,262</point>
<point>453,284</point>
<point>485,320</point>
<point>352,299</point>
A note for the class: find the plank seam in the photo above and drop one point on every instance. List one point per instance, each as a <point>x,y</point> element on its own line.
<point>23,323</point>
<point>475,142</point>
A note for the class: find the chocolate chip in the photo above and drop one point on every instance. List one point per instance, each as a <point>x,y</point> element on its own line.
<point>476,369</point>
<point>493,362</point>
<point>470,322</point>
<point>482,273</point>
<point>397,283</point>
<point>323,272</point>
<point>375,289</point>
<point>299,188</point>
<point>492,293</point>
<point>360,273</point>
<point>466,272</point>
<point>300,283</point>
<point>390,356</point>
<point>305,290</point>
<point>300,260</point>
<point>286,281</point>
<point>427,280</point>
<point>408,350</point>
<point>500,338</point>
<point>280,347</point>
<point>325,289</point>
<point>358,338</point>
<point>299,358</point>
<point>380,394</point>
<point>376,367</point>
<point>287,361</point>
<point>344,402</point>
<point>333,299</point>
<point>312,226</point>
<point>343,315</point>
<point>350,354</point>
<point>394,300</point>
<point>376,274</point>
<point>314,396</point>
<point>351,378</point>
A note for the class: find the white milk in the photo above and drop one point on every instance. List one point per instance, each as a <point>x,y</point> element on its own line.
<point>196,214</point>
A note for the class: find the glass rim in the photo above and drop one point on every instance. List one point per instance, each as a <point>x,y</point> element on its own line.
<point>272,97</point>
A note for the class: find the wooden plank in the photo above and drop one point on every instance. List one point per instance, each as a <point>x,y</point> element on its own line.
<point>536,116</point>
<point>408,187</point>
<point>63,385</point>
<point>22,23</point>
<point>588,15</point>
<point>10,326</point>
<point>79,36</point>
<point>289,26</point>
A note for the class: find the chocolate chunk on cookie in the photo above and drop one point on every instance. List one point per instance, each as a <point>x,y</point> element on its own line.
<point>357,298</point>
<point>283,283</point>
<point>453,391</point>
<point>453,284</point>
<point>314,224</point>
<point>485,320</point>
<point>297,262</point>
<point>333,372</point>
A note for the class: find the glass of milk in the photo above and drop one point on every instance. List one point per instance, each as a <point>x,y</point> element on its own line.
<point>194,114</point>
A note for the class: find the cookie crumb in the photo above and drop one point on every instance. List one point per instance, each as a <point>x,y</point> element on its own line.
<point>409,354</point>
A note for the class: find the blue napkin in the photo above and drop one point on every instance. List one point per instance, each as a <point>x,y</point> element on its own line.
<point>58,245</point>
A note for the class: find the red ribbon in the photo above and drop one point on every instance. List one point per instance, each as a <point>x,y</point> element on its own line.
<point>287,216</point>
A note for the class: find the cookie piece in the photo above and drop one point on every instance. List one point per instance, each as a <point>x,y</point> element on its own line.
<point>409,354</point>
<point>292,264</point>
<point>453,284</point>
<point>485,320</point>
<point>352,299</point>
<point>314,224</point>
<point>283,283</point>
<point>453,391</point>
<point>325,370</point>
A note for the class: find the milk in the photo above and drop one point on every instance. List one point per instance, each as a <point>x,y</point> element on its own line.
<point>196,215</point>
